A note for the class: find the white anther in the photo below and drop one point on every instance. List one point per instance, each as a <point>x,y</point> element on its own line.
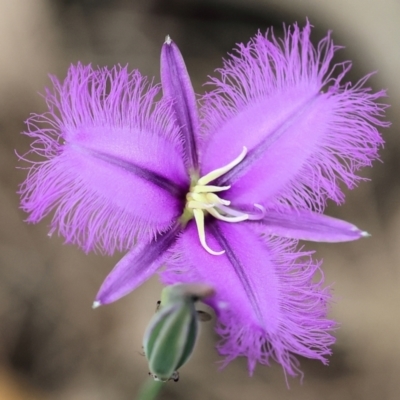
<point>217,215</point>
<point>251,216</point>
<point>223,170</point>
<point>200,197</point>
<point>256,217</point>
<point>202,200</point>
<point>200,205</point>
<point>213,198</point>
<point>210,188</point>
<point>199,217</point>
<point>260,207</point>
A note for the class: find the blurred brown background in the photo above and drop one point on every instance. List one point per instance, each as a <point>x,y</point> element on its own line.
<point>52,344</point>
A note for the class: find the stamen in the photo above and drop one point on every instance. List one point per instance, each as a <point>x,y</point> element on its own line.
<point>250,215</point>
<point>213,198</point>
<point>197,204</point>
<point>199,217</point>
<point>217,215</point>
<point>202,200</point>
<point>258,217</point>
<point>210,188</point>
<point>223,170</point>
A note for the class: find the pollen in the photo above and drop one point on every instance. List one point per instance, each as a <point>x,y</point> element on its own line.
<point>202,200</point>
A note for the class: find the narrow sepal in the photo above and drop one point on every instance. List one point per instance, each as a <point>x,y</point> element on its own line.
<point>177,86</point>
<point>136,267</point>
<point>307,225</point>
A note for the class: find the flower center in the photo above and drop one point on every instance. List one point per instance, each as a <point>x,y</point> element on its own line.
<point>202,200</point>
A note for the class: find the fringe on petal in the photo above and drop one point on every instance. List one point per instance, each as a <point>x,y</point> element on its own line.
<point>300,325</point>
<point>351,114</point>
<point>116,111</point>
<point>304,328</point>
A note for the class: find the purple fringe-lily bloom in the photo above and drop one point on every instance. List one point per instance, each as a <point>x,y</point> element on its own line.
<point>222,198</point>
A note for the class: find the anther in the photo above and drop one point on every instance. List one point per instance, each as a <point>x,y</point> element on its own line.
<point>202,199</point>
<point>238,218</point>
<point>223,170</point>
<point>199,217</point>
<point>210,188</point>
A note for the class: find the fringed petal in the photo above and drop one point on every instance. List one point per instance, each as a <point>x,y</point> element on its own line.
<point>305,131</point>
<point>112,167</point>
<point>269,300</point>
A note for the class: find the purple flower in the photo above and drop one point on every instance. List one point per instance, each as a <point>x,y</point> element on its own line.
<point>221,199</point>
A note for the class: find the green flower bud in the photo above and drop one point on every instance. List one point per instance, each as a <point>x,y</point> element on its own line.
<point>171,334</point>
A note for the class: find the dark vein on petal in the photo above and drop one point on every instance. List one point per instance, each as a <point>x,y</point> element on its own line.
<point>144,173</point>
<point>151,252</point>
<point>258,151</point>
<point>182,107</point>
<point>306,225</point>
<point>238,268</point>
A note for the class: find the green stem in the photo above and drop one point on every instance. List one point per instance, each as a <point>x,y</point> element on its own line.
<point>150,390</point>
